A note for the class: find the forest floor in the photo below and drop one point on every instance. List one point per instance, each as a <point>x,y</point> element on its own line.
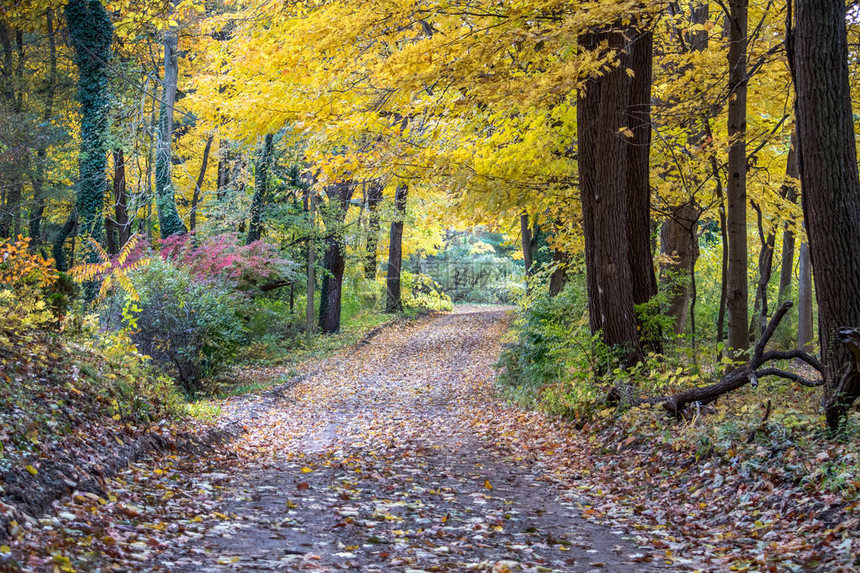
<point>370,463</point>
<point>398,455</point>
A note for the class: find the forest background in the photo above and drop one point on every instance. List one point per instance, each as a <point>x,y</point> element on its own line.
<point>186,186</point>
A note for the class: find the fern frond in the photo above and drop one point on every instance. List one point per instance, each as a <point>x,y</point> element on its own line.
<point>124,282</point>
<point>105,288</point>
<point>126,250</point>
<point>138,264</point>
<point>102,254</point>
<point>88,271</point>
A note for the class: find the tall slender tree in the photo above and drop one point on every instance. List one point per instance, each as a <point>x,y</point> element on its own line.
<point>736,193</point>
<point>165,196</point>
<point>393,302</point>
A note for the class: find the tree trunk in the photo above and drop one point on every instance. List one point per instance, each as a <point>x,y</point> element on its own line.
<point>603,158</point>
<point>736,302</point>
<point>639,58</point>
<point>91,32</point>
<point>168,216</point>
<point>374,199</point>
<point>310,208</point>
<point>59,247</point>
<point>395,252</point>
<point>261,190</point>
<point>676,238</point>
<point>198,185</point>
<point>805,325</point>
<point>17,155</point>
<point>818,52</point>
<point>224,166</point>
<point>527,241</point>
<point>120,197</point>
<point>765,268</point>
<point>339,195</point>
<point>786,275</point>
<point>558,278</point>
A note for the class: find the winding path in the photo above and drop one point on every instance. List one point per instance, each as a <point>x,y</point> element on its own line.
<point>370,464</point>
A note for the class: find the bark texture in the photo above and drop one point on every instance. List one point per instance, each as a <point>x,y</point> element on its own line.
<point>736,213</point>
<point>607,205</point>
<point>818,51</point>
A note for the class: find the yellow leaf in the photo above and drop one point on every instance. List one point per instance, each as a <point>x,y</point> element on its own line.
<point>306,470</point>
<point>32,470</point>
<point>487,484</point>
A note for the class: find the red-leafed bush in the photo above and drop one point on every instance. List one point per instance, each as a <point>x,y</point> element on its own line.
<point>224,257</point>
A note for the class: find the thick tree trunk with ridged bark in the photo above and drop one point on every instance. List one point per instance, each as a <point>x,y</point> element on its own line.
<point>639,58</point>
<point>602,117</point>
<point>818,51</point>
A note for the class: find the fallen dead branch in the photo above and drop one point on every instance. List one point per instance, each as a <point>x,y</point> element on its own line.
<point>749,373</point>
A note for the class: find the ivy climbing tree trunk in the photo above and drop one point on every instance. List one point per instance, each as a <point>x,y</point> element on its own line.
<point>602,116</point>
<point>374,199</point>
<point>736,210</point>
<point>339,196</point>
<point>261,189</point>
<point>91,32</point>
<point>165,199</point>
<point>393,302</point>
<point>818,52</point>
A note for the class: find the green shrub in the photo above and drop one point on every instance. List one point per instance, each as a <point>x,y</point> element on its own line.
<point>422,292</point>
<point>190,326</point>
